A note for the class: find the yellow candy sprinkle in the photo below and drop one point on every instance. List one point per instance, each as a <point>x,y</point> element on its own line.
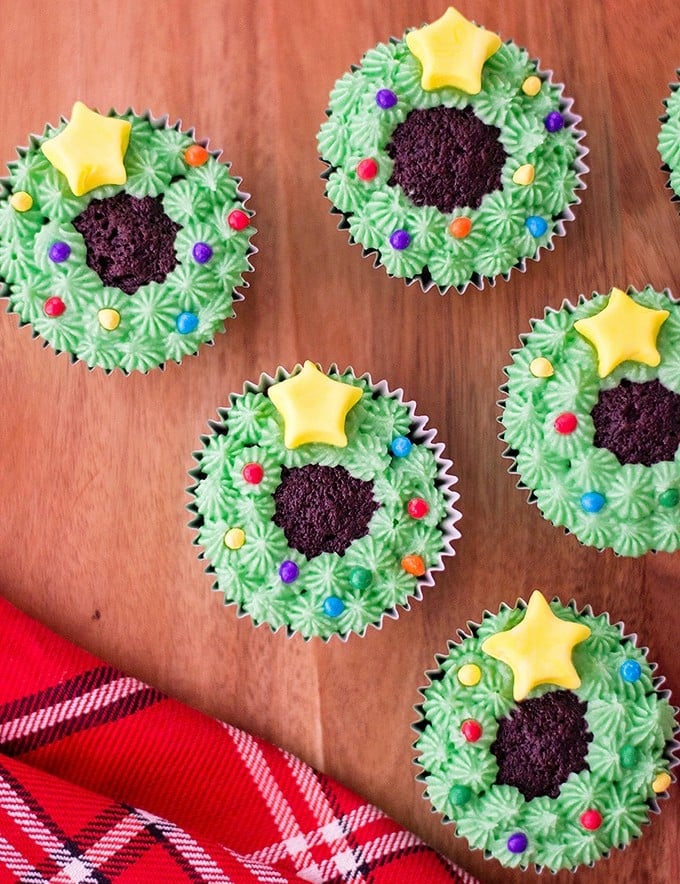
<point>469,674</point>
<point>661,782</point>
<point>540,367</point>
<point>109,318</point>
<point>531,86</point>
<point>234,538</point>
<point>524,175</point>
<point>21,201</point>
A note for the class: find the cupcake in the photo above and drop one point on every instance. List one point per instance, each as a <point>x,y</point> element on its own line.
<point>544,735</point>
<point>451,156</point>
<point>669,140</point>
<point>322,502</point>
<point>591,419</point>
<point>122,239</point>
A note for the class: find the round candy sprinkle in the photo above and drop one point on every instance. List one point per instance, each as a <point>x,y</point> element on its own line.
<point>54,307</point>
<point>459,228</point>
<point>385,99</point>
<point>186,323</point>
<point>565,423</point>
<point>593,501</point>
<point>417,508</point>
<point>59,251</point>
<point>524,175</point>
<point>333,606</point>
<point>413,565</point>
<point>536,225</point>
<point>471,730</point>
<point>661,782</point>
<point>554,121</point>
<point>109,318</point>
<point>531,86</point>
<point>591,820</point>
<point>360,578</point>
<point>469,674</point>
<point>669,498</point>
<point>401,446</point>
<point>367,169</point>
<point>628,756</point>
<point>238,220</point>
<point>400,240</point>
<point>202,252</point>
<point>234,538</point>
<point>459,794</point>
<point>288,571</point>
<point>252,473</point>
<point>540,367</point>
<point>195,155</point>
<point>517,842</point>
<point>21,201</point>
<point>630,670</point>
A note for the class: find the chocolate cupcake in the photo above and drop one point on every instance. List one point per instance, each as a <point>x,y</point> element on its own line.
<point>451,156</point>
<point>122,239</point>
<point>322,502</point>
<point>545,737</point>
<point>591,418</point>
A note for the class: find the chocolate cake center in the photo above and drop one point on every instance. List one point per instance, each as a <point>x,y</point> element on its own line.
<point>130,241</point>
<point>639,423</point>
<point>322,509</point>
<point>446,157</point>
<point>541,742</point>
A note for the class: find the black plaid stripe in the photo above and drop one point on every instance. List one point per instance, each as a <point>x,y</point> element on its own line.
<point>362,872</point>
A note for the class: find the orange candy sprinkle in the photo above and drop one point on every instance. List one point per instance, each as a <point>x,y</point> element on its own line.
<point>413,565</point>
<point>195,155</point>
<point>460,227</point>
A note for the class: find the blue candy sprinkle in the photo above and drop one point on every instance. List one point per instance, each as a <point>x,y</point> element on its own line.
<point>333,606</point>
<point>401,446</point>
<point>630,670</point>
<point>593,501</point>
<point>536,225</point>
<point>186,323</point>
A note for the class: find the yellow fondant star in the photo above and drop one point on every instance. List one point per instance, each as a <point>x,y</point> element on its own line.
<point>538,650</point>
<point>314,407</point>
<point>452,51</point>
<point>623,330</point>
<point>89,151</point>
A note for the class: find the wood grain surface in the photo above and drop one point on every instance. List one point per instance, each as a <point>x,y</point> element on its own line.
<point>93,469</point>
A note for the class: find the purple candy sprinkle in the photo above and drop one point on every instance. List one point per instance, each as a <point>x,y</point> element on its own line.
<point>202,252</point>
<point>385,98</point>
<point>59,251</point>
<point>400,239</point>
<point>554,121</point>
<point>288,571</point>
<point>518,842</point>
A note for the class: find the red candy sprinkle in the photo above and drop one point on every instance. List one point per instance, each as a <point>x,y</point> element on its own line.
<point>238,220</point>
<point>566,423</point>
<point>471,730</point>
<point>195,155</point>
<point>591,819</point>
<point>367,169</point>
<point>54,307</point>
<point>417,508</point>
<point>253,473</point>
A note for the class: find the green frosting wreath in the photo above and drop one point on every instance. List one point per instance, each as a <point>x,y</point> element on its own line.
<point>669,139</point>
<point>604,805</point>
<point>511,224</point>
<point>638,505</point>
<point>330,593</point>
<point>160,321</point>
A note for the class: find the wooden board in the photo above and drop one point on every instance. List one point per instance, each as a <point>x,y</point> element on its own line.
<point>93,468</point>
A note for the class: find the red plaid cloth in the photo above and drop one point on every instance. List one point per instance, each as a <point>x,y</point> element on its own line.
<point>85,748</point>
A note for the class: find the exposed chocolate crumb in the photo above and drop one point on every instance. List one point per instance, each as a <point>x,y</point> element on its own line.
<point>130,241</point>
<point>322,509</point>
<point>541,742</point>
<point>446,157</point>
<point>639,423</point>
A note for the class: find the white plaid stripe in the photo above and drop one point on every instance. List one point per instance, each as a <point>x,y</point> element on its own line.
<point>81,868</point>
<point>48,716</point>
<point>18,864</point>
<point>26,820</point>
